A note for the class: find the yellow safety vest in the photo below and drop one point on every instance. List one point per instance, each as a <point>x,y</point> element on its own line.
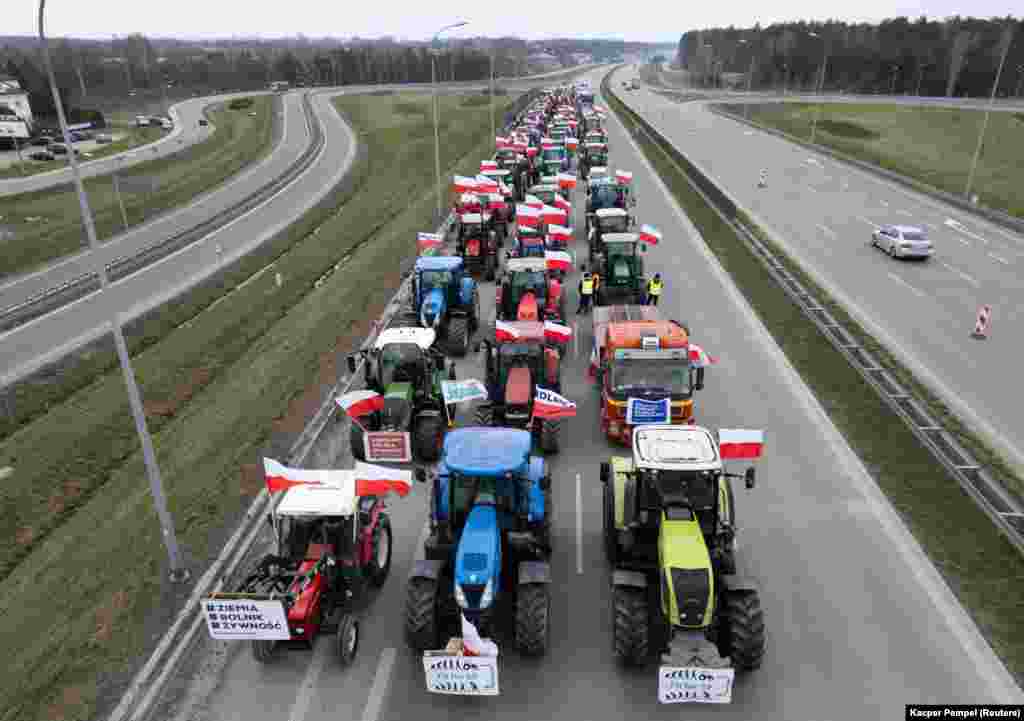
<point>654,287</point>
<point>588,286</point>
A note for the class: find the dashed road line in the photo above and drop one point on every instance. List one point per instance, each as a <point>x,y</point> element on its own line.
<point>998,259</point>
<point>916,291</point>
<point>381,681</point>
<point>827,231</point>
<point>962,274</point>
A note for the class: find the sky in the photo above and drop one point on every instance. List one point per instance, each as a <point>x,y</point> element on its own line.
<point>637,20</point>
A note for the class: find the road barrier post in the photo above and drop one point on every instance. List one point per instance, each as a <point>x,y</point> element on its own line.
<point>981,326</point>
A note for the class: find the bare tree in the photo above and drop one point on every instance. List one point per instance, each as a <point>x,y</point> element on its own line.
<point>961,44</point>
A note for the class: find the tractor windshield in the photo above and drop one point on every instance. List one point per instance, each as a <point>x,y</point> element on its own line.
<point>525,280</point>
<point>518,354</point>
<point>548,196</point>
<point>400,363</point>
<point>693,489</point>
<point>604,196</point>
<point>651,374</point>
<point>435,279</point>
<point>618,224</point>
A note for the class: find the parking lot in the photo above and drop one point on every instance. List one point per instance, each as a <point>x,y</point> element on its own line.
<point>10,157</point>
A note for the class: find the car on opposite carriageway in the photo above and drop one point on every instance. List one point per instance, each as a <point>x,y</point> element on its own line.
<point>903,241</point>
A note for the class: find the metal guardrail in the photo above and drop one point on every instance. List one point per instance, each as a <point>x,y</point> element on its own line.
<point>57,296</point>
<point>988,493</point>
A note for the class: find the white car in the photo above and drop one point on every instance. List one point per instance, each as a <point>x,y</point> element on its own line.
<point>903,241</point>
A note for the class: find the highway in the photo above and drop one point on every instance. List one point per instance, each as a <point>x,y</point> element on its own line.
<point>823,212</point>
<point>859,623</point>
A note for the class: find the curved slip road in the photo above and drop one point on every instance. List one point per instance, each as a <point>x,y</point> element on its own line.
<point>823,211</point>
<point>859,623</point>
<point>186,131</point>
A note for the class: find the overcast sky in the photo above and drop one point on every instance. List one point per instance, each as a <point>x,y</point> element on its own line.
<point>640,20</point>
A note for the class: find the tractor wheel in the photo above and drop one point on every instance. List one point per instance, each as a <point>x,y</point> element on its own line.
<point>263,651</point>
<point>743,626</point>
<point>421,628</point>
<point>631,625</point>
<point>533,603</point>
<point>483,416</point>
<point>458,336</point>
<point>355,438</point>
<point>348,638</point>
<point>611,541</point>
<point>380,548</point>
<point>549,433</point>
<point>429,437</point>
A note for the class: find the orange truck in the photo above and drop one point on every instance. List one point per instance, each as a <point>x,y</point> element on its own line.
<point>642,364</point>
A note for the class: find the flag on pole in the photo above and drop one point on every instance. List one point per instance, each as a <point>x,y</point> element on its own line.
<point>486,185</point>
<point>429,243</point>
<point>360,403</point>
<point>738,444</point>
<point>533,201</point>
<point>566,180</point>
<point>280,478</point>
<point>559,233</point>
<point>550,214</point>
<point>699,358</point>
<point>557,260</point>
<point>650,234</point>
<point>527,216</point>
<point>495,201</point>
<point>488,165</point>
<point>503,332</point>
<point>472,644</point>
<point>374,480</point>
<point>557,332</point>
<point>624,177</point>
<point>562,203</point>
<point>550,405</point>
<point>500,142</point>
<point>463,184</point>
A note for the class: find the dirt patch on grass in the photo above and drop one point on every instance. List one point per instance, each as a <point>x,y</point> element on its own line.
<point>106,616</point>
<point>250,480</point>
<point>182,394</point>
<point>68,706</point>
<point>68,494</point>
<point>24,536</point>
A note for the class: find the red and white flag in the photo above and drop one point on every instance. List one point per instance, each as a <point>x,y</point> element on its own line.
<point>699,358</point>
<point>557,260</point>
<point>525,215</point>
<point>520,146</point>
<point>562,203</point>
<point>549,405</point>
<point>495,201</point>
<point>547,143</point>
<point>472,644</point>
<point>359,403</point>
<point>551,214</point>
<point>566,180</point>
<point>428,241</point>
<point>280,478</point>
<point>560,233</point>
<point>374,480</point>
<point>488,165</point>
<point>532,151</point>
<point>572,143</point>
<point>556,332</point>
<point>503,332</point>
<point>486,185</point>
<point>650,234</point>
<point>533,201</point>
<point>624,177</point>
<point>463,184</point>
<point>738,444</point>
<point>500,142</point>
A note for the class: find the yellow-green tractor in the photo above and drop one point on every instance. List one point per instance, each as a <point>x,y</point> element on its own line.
<point>670,535</point>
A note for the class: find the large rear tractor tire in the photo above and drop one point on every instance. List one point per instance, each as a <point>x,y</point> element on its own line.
<point>428,438</point>
<point>743,627</point>
<point>533,604</point>
<point>631,642</point>
<point>355,438</point>
<point>380,549</point>
<point>611,540</point>
<point>348,639</point>
<point>421,627</point>
<point>483,416</point>
<point>458,336</point>
<point>550,431</point>
<point>263,651</point>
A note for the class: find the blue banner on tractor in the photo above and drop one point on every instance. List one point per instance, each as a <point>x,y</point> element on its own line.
<point>641,412</point>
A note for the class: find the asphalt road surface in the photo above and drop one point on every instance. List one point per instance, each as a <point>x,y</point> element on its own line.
<point>858,622</point>
<point>823,212</point>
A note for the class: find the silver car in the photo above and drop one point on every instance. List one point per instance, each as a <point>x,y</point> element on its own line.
<point>903,241</point>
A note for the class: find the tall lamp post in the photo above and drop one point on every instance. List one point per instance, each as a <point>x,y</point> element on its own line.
<point>821,84</point>
<point>892,82</point>
<point>433,84</point>
<point>1020,80</point>
<point>178,572</point>
<point>920,77</point>
<point>1007,41</point>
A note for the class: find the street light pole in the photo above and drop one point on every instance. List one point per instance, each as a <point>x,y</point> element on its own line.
<point>821,86</point>
<point>984,123</point>
<point>178,572</point>
<point>892,84</point>
<point>1020,80</point>
<point>493,132</point>
<point>433,86</point>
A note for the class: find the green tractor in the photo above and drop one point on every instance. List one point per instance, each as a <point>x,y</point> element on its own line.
<point>621,266</point>
<point>670,536</point>
<point>405,367</point>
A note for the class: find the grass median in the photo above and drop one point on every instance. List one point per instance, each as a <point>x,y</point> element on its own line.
<point>48,223</point>
<point>984,571</point>
<point>931,145</point>
<point>78,602</point>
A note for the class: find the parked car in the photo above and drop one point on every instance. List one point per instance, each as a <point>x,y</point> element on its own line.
<point>103,138</point>
<point>903,241</point>
<point>41,155</point>
<point>42,141</point>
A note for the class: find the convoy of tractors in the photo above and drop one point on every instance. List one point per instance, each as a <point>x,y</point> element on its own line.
<point>669,515</point>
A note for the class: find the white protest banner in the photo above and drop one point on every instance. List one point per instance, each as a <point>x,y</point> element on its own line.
<point>456,675</point>
<point>462,391</point>
<point>245,619</point>
<point>695,685</point>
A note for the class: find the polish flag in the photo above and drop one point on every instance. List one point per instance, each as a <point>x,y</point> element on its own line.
<point>504,332</point>
<point>624,177</point>
<point>486,185</point>
<point>428,241</point>
<point>547,142</point>
<point>280,478</point>
<point>472,644</point>
<point>488,165</point>
<point>556,332</point>
<point>551,214</point>
<point>532,151</point>
<point>548,405</point>
<point>557,260</point>
<point>520,146</point>
<point>360,403</point>
<point>566,180</point>
<point>504,189</point>
<point>650,234</point>
<point>562,203</point>
<point>500,142</point>
<point>737,444</point>
<point>527,216</point>
<point>560,233</point>
<point>572,143</point>
<point>463,184</point>
<point>533,201</point>
<point>374,480</point>
<point>495,201</point>
<point>699,358</point>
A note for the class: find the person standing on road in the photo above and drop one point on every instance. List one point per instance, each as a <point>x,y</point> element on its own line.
<point>586,291</point>
<point>654,286</point>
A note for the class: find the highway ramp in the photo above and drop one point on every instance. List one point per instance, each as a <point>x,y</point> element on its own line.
<point>858,622</point>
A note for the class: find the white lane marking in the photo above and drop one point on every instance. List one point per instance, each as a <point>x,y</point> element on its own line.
<point>869,222</point>
<point>812,189</point>
<point>958,226</point>
<point>381,680</point>
<point>919,293</point>
<point>827,231</point>
<point>579,525</point>
<point>998,259</point>
<point>814,161</point>
<point>321,652</point>
<point>962,274</point>
<point>929,226</point>
<point>906,213</point>
<point>883,202</point>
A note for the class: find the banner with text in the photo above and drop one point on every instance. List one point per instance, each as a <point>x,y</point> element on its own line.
<point>388,446</point>
<point>460,675</point>
<point>695,685</point>
<point>462,391</point>
<point>640,412</point>
<point>246,620</point>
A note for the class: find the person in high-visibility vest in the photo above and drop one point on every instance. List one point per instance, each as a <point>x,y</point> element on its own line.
<point>654,286</point>
<point>586,291</point>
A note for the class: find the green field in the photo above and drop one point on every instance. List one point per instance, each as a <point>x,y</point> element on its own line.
<point>981,567</point>
<point>76,597</point>
<point>934,146</point>
<point>48,222</point>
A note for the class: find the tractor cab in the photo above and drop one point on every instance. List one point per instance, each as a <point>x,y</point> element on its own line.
<point>546,191</point>
<point>594,155</point>
<point>529,243</point>
<point>554,159</point>
<point>606,221</point>
<point>528,292</point>
<point>445,296</point>
<point>477,244</point>
<point>622,269</point>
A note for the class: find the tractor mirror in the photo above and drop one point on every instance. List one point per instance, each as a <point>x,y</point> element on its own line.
<point>421,475</point>
<point>748,477</point>
<point>351,364</point>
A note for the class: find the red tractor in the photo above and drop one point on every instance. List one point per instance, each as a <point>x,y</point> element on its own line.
<point>528,291</point>
<point>477,244</point>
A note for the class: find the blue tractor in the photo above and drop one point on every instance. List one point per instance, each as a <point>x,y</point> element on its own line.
<point>490,543</point>
<point>446,299</point>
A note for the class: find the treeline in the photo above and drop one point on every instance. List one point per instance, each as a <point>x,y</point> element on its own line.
<point>952,57</point>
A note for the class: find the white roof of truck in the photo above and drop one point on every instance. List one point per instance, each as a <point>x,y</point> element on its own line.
<point>423,337</point>
<point>610,213</point>
<point>519,264</point>
<point>675,447</point>
<point>318,501</point>
<point>619,238</point>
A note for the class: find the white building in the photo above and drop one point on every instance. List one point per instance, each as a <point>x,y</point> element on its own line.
<point>15,99</point>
